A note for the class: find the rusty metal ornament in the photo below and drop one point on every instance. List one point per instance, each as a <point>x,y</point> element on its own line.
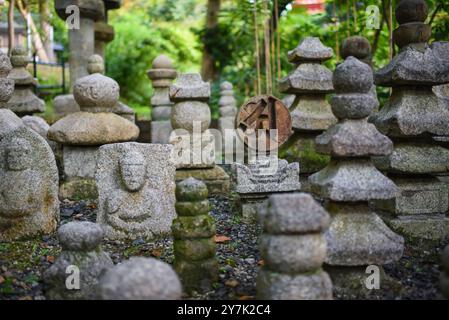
<point>257,117</point>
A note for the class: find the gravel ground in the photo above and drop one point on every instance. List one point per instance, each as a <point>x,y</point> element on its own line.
<point>22,263</point>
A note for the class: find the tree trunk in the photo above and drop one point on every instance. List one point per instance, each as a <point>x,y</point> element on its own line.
<point>11,33</point>
<point>45,15</point>
<point>208,68</point>
<point>40,51</point>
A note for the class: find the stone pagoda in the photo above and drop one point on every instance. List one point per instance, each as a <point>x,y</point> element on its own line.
<point>23,101</point>
<point>228,111</point>
<point>311,114</point>
<point>82,133</point>
<point>264,124</point>
<point>418,123</point>
<point>357,237</point>
<point>194,144</point>
<point>162,75</point>
<point>104,32</point>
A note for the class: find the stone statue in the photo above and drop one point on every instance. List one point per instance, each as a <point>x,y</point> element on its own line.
<point>29,181</point>
<point>136,198</point>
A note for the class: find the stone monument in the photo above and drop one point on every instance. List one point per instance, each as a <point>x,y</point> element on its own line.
<point>81,256</point>
<point>415,119</point>
<point>136,190</point>
<point>23,101</point>
<point>140,279</point>
<point>264,173</point>
<point>193,233</point>
<point>29,203</point>
<point>311,114</point>
<point>293,248</point>
<point>228,112</point>
<point>357,237</point>
<point>82,133</point>
<point>162,75</point>
<point>194,144</point>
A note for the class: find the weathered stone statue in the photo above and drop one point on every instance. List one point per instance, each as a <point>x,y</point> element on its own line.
<point>29,203</point>
<point>264,173</point>
<point>193,233</point>
<point>357,237</point>
<point>162,75</point>
<point>140,279</point>
<point>75,273</point>
<point>83,132</point>
<point>415,119</point>
<point>311,114</point>
<point>194,144</point>
<point>136,190</point>
<point>23,101</point>
<point>293,248</point>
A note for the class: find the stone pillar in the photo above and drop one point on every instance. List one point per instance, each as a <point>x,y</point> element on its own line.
<point>193,233</point>
<point>23,101</point>
<point>228,111</point>
<point>357,237</point>
<point>140,279</point>
<point>194,144</point>
<point>82,133</point>
<point>414,118</point>
<point>444,276</point>
<point>293,248</point>
<point>360,48</point>
<point>310,81</point>
<point>81,247</point>
<point>162,75</point>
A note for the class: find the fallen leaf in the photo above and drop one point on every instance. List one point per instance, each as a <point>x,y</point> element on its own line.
<point>51,259</point>
<point>232,283</point>
<point>246,297</point>
<point>2,279</point>
<point>221,238</point>
<point>156,253</point>
<point>261,263</point>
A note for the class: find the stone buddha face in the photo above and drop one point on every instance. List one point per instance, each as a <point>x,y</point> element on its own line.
<point>133,171</point>
<point>18,155</point>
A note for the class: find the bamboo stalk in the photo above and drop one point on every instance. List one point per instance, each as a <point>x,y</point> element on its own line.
<point>256,36</point>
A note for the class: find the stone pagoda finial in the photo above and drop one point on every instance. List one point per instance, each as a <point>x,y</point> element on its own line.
<point>6,84</point>
<point>293,247</point>
<point>311,114</point>
<point>358,47</point>
<point>357,236</point>
<point>162,75</point>
<point>23,101</point>
<point>416,120</point>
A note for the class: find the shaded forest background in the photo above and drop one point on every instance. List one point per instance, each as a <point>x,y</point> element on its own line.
<point>241,41</point>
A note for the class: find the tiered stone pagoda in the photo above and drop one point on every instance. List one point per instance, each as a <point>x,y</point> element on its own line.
<point>310,81</point>
<point>23,101</point>
<point>357,237</point>
<point>418,123</point>
<point>194,144</point>
<point>82,133</point>
<point>162,75</point>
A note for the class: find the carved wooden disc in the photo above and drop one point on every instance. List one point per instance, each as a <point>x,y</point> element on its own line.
<point>257,117</point>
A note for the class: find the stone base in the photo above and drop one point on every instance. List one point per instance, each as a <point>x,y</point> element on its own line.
<point>277,286</point>
<point>426,195</point>
<point>78,189</point>
<point>216,179</point>
<point>160,131</point>
<point>351,283</point>
<point>425,227</point>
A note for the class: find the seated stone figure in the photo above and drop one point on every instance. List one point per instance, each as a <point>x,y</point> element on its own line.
<point>29,203</point>
<point>136,198</point>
